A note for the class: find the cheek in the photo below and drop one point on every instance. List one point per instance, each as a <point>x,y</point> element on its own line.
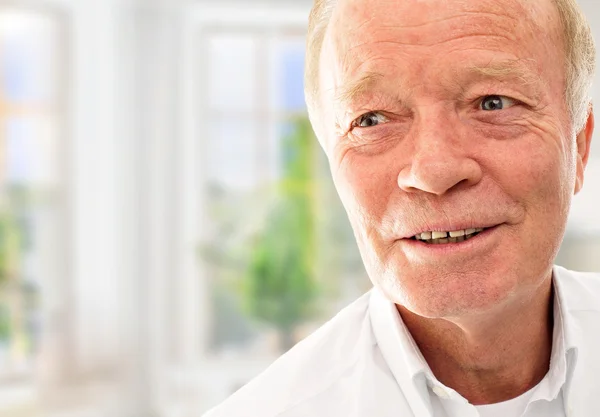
<point>529,171</point>
<point>365,182</point>
<point>537,173</point>
<point>365,185</point>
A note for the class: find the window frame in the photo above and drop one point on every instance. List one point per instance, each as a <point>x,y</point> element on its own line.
<point>206,374</point>
<point>88,222</point>
<point>54,10</point>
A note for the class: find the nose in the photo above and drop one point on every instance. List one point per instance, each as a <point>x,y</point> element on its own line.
<point>440,161</point>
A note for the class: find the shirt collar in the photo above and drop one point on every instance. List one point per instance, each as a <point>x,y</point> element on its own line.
<point>412,371</point>
<point>570,336</point>
<point>400,352</point>
<point>397,335</point>
<point>549,388</point>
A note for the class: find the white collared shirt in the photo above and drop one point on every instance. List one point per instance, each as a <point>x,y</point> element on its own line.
<point>364,363</point>
<point>544,400</point>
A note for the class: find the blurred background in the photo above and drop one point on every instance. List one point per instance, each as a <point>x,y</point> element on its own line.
<point>168,226</point>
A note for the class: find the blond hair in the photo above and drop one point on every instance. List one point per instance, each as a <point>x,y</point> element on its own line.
<point>580,54</point>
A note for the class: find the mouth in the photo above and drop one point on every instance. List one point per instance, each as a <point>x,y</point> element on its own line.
<point>443,237</point>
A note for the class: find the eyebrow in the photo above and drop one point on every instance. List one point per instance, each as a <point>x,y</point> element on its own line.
<point>350,91</point>
<point>505,69</point>
<point>499,70</point>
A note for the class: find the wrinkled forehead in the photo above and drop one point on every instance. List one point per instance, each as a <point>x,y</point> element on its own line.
<point>360,28</point>
<point>356,15</point>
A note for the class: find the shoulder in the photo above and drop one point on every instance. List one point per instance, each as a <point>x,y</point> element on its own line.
<point>307,369</point>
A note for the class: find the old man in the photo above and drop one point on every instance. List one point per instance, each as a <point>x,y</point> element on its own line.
<point>457,132</point>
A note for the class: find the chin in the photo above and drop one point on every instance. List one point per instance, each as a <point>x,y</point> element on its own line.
<point>448,306</point>
<point>440,294</point>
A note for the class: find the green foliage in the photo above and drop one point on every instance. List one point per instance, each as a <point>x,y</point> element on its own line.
<point>279,286</point>
<point>10,248</point>
<point>4,324</point>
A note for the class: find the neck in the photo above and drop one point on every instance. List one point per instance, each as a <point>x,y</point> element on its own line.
<point>493,357</point>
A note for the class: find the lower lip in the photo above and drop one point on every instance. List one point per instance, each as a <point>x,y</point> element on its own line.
<point>481,241</point>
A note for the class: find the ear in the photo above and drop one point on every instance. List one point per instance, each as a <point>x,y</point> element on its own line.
<point>584,139</point>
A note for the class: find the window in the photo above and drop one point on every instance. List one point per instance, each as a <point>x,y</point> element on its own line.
<point>250,114</point>
<point>277,254</point>
<point>31,135</point>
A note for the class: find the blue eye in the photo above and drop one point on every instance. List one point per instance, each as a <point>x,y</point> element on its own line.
<point>370,119</point>
<point>491,103</point>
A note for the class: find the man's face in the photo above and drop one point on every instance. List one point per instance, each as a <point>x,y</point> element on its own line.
<point>443,116</point>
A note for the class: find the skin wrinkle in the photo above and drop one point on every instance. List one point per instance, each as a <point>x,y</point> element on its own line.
<point>347,58</point>
<point>351,92</point>
<point>436,23</point>
<point>409,44</point>
<point>365,23</point>
<point>572,33</point>
<point>466,12</point>
<point>366,60</point>
<point>347,92</point>
<point>351,49</point>
<point>440,158</point>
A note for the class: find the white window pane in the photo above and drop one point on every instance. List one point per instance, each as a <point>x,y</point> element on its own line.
<point>28,43</point>
<point>31,151</point>
<point>286,75</point>
<point>277,132</point>
<point>232,72</point>
<point>231,153</point>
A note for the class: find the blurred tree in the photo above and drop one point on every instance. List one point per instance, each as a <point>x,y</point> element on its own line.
<point>280,286</point>
<point>10,250</point>
<point>10,246</point>
<point>263,266</point>
<point>4,324</point>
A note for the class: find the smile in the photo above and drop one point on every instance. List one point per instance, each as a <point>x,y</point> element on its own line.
<point>437,237</point>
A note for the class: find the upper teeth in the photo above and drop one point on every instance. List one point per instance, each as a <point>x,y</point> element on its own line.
<point>443,235</point>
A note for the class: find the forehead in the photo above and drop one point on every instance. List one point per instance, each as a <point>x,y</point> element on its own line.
<point>427,22</point>
<point>367,35</point>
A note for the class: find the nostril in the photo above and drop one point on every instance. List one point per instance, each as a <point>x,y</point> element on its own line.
<point>461,184</point>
